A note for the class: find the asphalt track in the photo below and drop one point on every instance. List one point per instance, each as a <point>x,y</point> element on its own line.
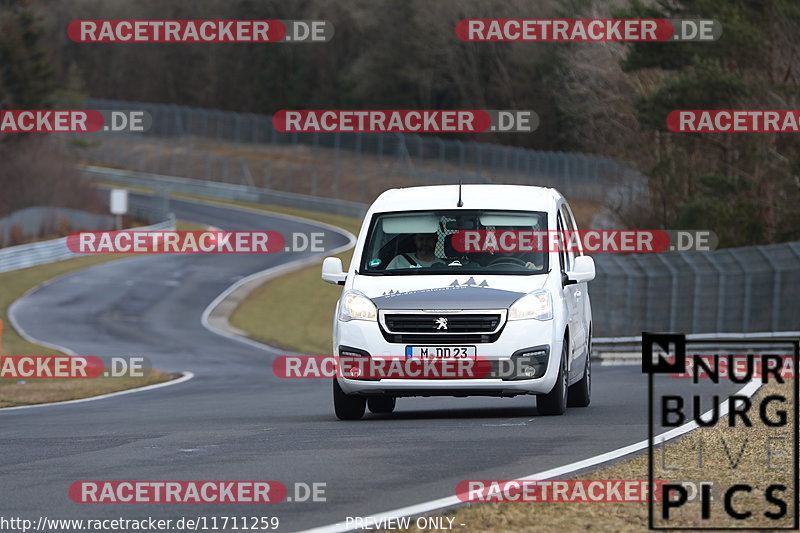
<point>236,421</point>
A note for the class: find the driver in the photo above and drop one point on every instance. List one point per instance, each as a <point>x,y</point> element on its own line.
<point>424,255</point>
<point>530,265</point>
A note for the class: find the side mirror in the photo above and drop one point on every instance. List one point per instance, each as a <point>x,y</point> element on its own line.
<point>332,271</point>
<point>582,270</point>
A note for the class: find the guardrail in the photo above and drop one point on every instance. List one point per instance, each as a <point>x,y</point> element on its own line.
<point>628,350</point>
<point>349,166</point>
<point>39,253</point>
<point>226,191</point>
<point>734,290</point>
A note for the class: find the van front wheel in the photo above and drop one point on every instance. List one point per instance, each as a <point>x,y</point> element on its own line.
<point>580,394</point>
<point>555,401</point>
<point>347,407</point>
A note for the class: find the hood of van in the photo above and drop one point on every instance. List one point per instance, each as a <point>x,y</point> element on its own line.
<point>446,292</point>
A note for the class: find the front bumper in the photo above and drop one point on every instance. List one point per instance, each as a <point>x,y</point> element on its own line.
<point>516,335</point>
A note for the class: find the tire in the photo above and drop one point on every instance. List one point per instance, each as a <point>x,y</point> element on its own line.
<point>381,404</point>
<point>555,402</point>
<point>580,394</point>
<point>347,407</point>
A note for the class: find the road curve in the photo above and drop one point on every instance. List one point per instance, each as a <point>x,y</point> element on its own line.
<point>236,421</point>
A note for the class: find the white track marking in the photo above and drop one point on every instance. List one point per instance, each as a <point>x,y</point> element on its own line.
<point>268,273</point>
<point>453,501</point>
<point>185,376</point>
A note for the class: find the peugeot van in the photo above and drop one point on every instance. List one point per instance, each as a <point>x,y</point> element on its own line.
<point>415,290</point>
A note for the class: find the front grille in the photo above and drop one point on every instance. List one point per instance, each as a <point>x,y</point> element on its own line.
<point>430,323</point>
<point>410,327</point>
<point>416,338</point>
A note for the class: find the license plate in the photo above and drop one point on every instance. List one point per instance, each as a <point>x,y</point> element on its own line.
<point>441,352</point>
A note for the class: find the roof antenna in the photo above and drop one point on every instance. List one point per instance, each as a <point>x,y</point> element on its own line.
<point>460,202</point>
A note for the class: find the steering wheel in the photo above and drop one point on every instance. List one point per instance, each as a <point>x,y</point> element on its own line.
<point>507,259</point>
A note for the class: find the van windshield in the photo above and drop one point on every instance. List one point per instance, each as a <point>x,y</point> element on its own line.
<point>463,241</point>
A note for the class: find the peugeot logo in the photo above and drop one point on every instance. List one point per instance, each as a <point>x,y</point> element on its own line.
<point>441,323</point>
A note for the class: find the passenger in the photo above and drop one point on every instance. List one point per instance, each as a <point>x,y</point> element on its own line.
<point>424,255</point>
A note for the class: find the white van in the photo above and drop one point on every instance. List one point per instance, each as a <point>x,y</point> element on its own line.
<point>415,290</point>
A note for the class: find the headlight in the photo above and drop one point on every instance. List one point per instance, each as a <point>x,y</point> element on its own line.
<point>537,304</point>
<point>356,306</point>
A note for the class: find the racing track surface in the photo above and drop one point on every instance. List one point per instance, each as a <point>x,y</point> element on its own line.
<point>236,421</point>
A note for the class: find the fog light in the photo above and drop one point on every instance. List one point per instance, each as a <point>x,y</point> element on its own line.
<point>529,363</point>
<point>355,370</point>
<point>347,353</point>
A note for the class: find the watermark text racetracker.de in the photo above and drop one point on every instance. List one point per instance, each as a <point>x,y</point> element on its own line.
<point>195,242</point>
<point>74,121</point>
<point>188,492</point>
<point>200,31</point>
<point>580,30</point>
<point>72,367</point>
<point>420,362</point>
<point>555,490</point>
<point>591,241</point>
<point>404,120</point>
<point>734,121</point>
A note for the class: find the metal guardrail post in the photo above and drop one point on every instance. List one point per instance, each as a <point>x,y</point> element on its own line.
<point>720,290</point>
<point>776,286</point>
<point>695,292</point>
<point>648,291</point>
<point>748,290</point>
<point>673,291</point>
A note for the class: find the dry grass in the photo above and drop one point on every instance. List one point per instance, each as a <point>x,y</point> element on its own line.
<point>680,454</point>
<point>14,393</point>
<point>299,168</point>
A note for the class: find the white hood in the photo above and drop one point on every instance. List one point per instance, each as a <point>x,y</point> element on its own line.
<point>447,291</point>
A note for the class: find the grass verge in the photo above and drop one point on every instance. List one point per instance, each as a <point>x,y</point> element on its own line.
<point>722,446</point>
<point>14,392</point>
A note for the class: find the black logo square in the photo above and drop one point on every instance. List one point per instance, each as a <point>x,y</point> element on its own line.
<point>664,341</point>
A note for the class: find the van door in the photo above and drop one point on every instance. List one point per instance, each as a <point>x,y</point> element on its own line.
<point>581,292</point>
<point>568,292</point>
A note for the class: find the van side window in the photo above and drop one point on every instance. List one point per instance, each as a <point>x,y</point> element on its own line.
<point>563,258</point>
<point>572,229</point>
<point>569,236</point>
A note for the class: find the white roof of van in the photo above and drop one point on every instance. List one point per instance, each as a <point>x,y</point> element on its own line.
<point>474,196</point>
